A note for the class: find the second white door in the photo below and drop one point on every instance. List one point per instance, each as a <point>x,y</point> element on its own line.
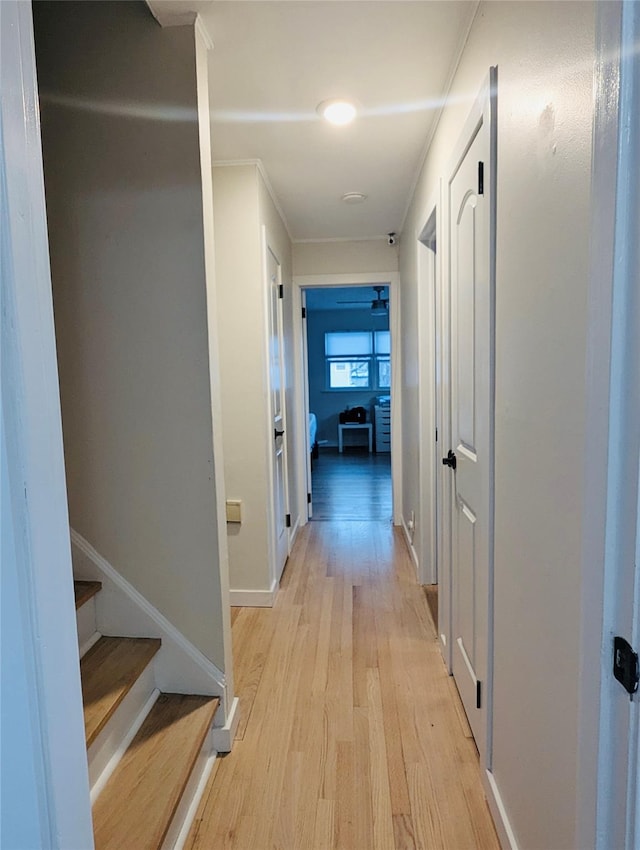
<point>470,195</point>
<point>281,519</point>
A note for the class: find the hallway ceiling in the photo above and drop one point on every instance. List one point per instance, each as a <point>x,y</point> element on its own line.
<point>274,62</point>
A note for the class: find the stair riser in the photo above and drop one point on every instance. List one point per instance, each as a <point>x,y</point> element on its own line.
<point>188,806</point>
<point>108,748</point>
<point>86,624</point>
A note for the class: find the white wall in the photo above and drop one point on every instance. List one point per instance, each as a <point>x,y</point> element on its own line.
<point>242,205</point>
<point>348,257</point>
<point>124,196</point>
<point>544,53</point>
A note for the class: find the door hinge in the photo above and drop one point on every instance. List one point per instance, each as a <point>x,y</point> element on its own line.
<point>287,520</point>
<point>281,290</point>
<point>304,312</point>
<point>436,435</point>
<point>478,694</point>
<point>625,665</point>
<point>308,498</point>
<point>481,178</point>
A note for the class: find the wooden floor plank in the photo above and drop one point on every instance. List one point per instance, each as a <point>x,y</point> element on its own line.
<point>353,739</point>
<point>84,591</point>
<point>136,807</point>
<point>108,671</point>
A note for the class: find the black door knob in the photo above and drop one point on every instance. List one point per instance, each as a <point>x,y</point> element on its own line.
<point>277,433</point>
<point>450,460</point>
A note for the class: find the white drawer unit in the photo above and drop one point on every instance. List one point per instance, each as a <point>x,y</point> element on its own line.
<point>382,419</point>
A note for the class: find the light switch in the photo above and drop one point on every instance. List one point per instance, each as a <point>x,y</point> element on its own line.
<point>234,510</point>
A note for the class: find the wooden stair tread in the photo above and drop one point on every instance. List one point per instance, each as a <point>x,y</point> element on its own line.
<point>135,809</point>
<point>108,671</point>
<point>85,590</point>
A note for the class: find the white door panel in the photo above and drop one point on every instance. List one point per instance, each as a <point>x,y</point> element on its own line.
<point>470,234</point>
<point>279,436</point>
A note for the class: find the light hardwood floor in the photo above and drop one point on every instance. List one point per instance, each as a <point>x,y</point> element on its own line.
<point>352,735</point>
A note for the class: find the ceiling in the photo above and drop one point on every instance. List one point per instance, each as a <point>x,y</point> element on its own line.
<point>274,60</point>
<point>334,297</point>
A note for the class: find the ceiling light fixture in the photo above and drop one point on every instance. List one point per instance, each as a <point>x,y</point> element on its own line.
<point>337,111</point>
<point>354,197</point>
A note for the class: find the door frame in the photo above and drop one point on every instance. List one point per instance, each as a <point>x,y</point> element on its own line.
<point>32,437</point>
<point>435,404</point>
<point>607,803</point>
<point>275,572</point>
<point>301,394</point>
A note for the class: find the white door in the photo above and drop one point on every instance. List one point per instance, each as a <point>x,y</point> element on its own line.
<point>471,231</point>
<point>307,410</point>
<point>281,517</point>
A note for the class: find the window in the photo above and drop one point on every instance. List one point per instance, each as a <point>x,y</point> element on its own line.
<point>358,360</point>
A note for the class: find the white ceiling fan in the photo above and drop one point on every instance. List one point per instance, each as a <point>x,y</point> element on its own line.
<point>379,305</point>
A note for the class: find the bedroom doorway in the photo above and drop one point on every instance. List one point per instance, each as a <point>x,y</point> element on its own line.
<point>348,378</point>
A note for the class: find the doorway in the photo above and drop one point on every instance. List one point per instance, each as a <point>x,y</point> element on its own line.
<point>361,459</point>
<point>433,556</point>
<point>348,374</point>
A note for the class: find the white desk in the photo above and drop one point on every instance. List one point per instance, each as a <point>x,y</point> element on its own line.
<point>352,426</point>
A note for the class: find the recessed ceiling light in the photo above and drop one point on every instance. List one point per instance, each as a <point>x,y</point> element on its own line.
<point>337,111</point>
<point>354,197</point>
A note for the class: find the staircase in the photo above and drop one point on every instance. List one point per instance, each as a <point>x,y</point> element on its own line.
<point>146,750</point>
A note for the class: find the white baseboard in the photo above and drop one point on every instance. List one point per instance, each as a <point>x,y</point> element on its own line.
<point>121,610</point>
<point>223,736</point>
<point>506,835</point>
<point>253,598</point>
<point>414,554</point>
<point>293,533</point>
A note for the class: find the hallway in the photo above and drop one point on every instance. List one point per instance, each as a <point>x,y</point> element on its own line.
<point>351,733</point>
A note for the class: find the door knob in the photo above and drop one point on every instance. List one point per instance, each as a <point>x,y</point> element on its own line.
<point>277,433</point>
<point>450,460</point>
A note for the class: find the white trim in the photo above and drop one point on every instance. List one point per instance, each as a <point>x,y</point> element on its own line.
<point>35,476</point>
<point>325,239</point>
<point>86,623</point>
<point>182,820</point>
<point>111,744</point>
<point>203,47</point>
<point>308,281</point>
<point>598,362</point>
<point>171,18</point>
<point>428,260</point>
<point>86,646</point>
<point>122,610</point>
<point>408,536</point>
<point>614,284</point>
<point>254,598</point>
<point>226,163</point>
<point>301,403</point>
<point>441,535</point>
<point>203,33</point>
<point>506,835</point>
<point>222,737</point>
<point>293,533</point>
